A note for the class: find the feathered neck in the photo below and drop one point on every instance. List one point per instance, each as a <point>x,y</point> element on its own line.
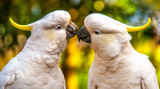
<point>111,64</point>
<point>38,52</point>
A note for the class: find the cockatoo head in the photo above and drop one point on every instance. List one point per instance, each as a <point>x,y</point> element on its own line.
<point>54,28</point>
<point>106,35</point>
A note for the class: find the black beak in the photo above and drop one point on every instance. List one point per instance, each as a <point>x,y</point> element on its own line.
<point>71,30</point>
<point>84,35</point>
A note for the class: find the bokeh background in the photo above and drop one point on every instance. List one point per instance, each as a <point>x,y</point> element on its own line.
<point>78,56</point>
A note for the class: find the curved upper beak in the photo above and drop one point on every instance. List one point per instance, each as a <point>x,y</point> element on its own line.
<point>84,35</point>
<point>71,30</point>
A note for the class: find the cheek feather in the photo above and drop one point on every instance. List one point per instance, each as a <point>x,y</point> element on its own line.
<point>49,34</point>
<point>107,39</point>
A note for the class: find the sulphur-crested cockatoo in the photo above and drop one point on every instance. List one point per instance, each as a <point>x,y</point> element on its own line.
<point>116,64</point>
<point>36,66</point>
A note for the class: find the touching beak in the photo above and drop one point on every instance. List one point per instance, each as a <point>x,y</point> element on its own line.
<point>71,30</point>
<point>84,35</point>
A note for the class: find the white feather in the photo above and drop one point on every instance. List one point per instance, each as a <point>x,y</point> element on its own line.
<point>116,64</point>
<point>36,66</point>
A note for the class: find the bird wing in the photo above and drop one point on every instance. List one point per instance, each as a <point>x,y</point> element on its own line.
<point>150,82</point>
<point>91,85</point>
<point>7,75</point>
<point>149,77</point>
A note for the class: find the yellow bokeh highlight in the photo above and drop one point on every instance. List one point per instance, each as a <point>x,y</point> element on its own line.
<point>74,54</point>
<point>74,13</point>
<point>91,57</point>
<point>4,60</point>
<point>72,81</point>
<point>21,40</point>
<point>144,47</point>
<point>158,74</point>
<point>2,64</point>
<point>157,54</point>
<point>99,5</point>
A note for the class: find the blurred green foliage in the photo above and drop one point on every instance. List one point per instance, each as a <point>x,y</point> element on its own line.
<point>78,57</point>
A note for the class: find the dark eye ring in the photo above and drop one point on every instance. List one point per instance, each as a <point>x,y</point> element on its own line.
<point>97,32</point>
<point>58,27</point>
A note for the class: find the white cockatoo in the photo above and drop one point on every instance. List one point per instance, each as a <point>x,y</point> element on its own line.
<point>116,64</point>
<point>36,66</point>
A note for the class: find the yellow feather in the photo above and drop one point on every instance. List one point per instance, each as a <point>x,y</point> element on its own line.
<point>134,29</point>
<point>21,27</point>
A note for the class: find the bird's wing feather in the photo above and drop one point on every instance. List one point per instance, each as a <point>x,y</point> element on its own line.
<point>149,77</point>
<point>7,75</point>
<point>91,85</point>
<point>150,82</point>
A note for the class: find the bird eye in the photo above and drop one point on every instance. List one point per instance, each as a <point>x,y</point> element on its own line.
<point>97,32</point>
<point>58,27</point>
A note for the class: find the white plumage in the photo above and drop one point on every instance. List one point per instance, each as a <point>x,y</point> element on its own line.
<point>36,66</point>
<point>116,64</point>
